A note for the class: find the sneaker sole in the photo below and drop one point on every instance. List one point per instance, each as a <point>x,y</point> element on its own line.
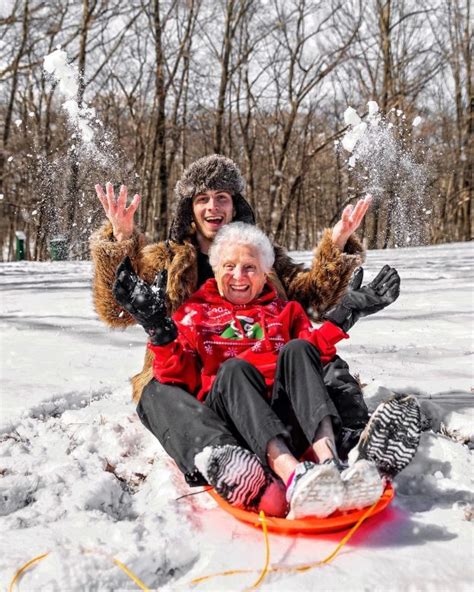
<point>363,486</point>
<point>392,435</point>
<point>236,474</point>
<point>319,493</point>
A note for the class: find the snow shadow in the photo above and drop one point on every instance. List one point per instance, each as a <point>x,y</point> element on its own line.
<point>392,527</point>
<point>56,406</point>
<point>432,482</point>
<point>397,527</point>
<point>87,333</point>
<point>47,286</point>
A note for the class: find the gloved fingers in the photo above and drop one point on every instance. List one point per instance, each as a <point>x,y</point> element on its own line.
<point>128,306</point>
<point>123,287</point>
<point>393,279</point>
<point>357,278</point>
<point>123,294</point>
<point>141,299</point>
<point>125,283</point>
<point>393,293</point>
<point>125,274</point>
<point>379,278</point>
<point>159,290</point>
<point>384,281</point>
<point>161,281</point>
<point>125,265</point>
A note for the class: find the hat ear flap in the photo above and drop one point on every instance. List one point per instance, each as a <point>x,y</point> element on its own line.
<point>181,228</point>
<point>243,211</point>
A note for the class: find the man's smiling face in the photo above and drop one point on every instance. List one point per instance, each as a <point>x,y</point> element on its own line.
<point>211,211</point>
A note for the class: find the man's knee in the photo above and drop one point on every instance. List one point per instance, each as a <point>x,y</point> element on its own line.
<point>147,397</point>
<point>337,376</point>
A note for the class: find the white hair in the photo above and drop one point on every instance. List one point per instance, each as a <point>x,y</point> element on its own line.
<point>239,233</point>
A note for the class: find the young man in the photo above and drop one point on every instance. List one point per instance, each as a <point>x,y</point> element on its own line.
<point>210,195</point>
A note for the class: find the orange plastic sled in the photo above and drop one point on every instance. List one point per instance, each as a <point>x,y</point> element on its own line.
<point>337,521</point>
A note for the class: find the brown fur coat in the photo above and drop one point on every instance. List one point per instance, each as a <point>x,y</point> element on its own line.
<point>317,288</point>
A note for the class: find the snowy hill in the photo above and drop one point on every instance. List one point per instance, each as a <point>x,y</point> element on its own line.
<point>81,478</point>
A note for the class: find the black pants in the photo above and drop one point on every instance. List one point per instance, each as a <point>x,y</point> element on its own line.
<point>346,394</point>
<point>237,410</point>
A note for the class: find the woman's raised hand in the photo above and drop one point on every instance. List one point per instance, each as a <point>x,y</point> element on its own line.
<point>116,210</point>
<point>350,221</point>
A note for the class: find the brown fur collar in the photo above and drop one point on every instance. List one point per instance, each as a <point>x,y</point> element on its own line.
<point>181,263</point>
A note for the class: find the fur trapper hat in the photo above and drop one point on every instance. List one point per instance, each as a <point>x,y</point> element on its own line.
<point>210,173</point>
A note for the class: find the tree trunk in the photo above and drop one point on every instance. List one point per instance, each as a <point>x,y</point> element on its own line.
<point>225,75</point>
<point>11,101</point>
<point>73,189</point>
<point>384,20</point>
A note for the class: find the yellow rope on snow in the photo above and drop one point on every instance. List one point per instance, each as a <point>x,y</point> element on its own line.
<point>333,554</point>
<point>22,569</point>
<point>261,577</point>
<point>289,569</point>
<point>232,572</point>
<point>122,566</point>
<point>131,575</point>
<point>266,568</point>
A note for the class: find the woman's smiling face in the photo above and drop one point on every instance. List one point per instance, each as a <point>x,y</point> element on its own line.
<point>239,275</point>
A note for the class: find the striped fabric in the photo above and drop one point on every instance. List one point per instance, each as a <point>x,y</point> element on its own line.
<point>392,435</point>
<point>235,473</point>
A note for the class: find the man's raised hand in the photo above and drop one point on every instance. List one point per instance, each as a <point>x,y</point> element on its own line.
<point>116,210</point>
<point>350,221</point>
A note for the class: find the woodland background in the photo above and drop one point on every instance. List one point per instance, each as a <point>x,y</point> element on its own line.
<point>264,82</point>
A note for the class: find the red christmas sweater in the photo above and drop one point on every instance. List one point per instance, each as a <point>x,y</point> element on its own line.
<point>212,330</point>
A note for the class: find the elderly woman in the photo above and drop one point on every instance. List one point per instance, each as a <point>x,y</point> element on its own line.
<point>256,364</point>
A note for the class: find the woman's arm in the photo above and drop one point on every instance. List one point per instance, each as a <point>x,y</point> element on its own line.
<point>177,363</point>
<point>324,338</point>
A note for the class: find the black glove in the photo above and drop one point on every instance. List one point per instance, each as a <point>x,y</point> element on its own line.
<point>361,302</point>
<point>146,304</point>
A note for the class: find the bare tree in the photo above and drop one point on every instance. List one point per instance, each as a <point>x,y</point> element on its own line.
<point>266,83</point>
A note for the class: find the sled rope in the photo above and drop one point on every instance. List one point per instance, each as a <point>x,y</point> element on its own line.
<point>39,558</point>
<point>339,546</point>
<point>261,577</point>
<point>22,569</point>
<point>289,569</point>
<point>267,568</point>
<point>131,575</point>
<point>231,572</point>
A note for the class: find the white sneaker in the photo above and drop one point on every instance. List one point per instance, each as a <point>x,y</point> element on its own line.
<point>316,490</point>
<point>363,485</point>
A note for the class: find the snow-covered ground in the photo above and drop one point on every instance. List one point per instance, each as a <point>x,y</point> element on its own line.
<point>81,478</point>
